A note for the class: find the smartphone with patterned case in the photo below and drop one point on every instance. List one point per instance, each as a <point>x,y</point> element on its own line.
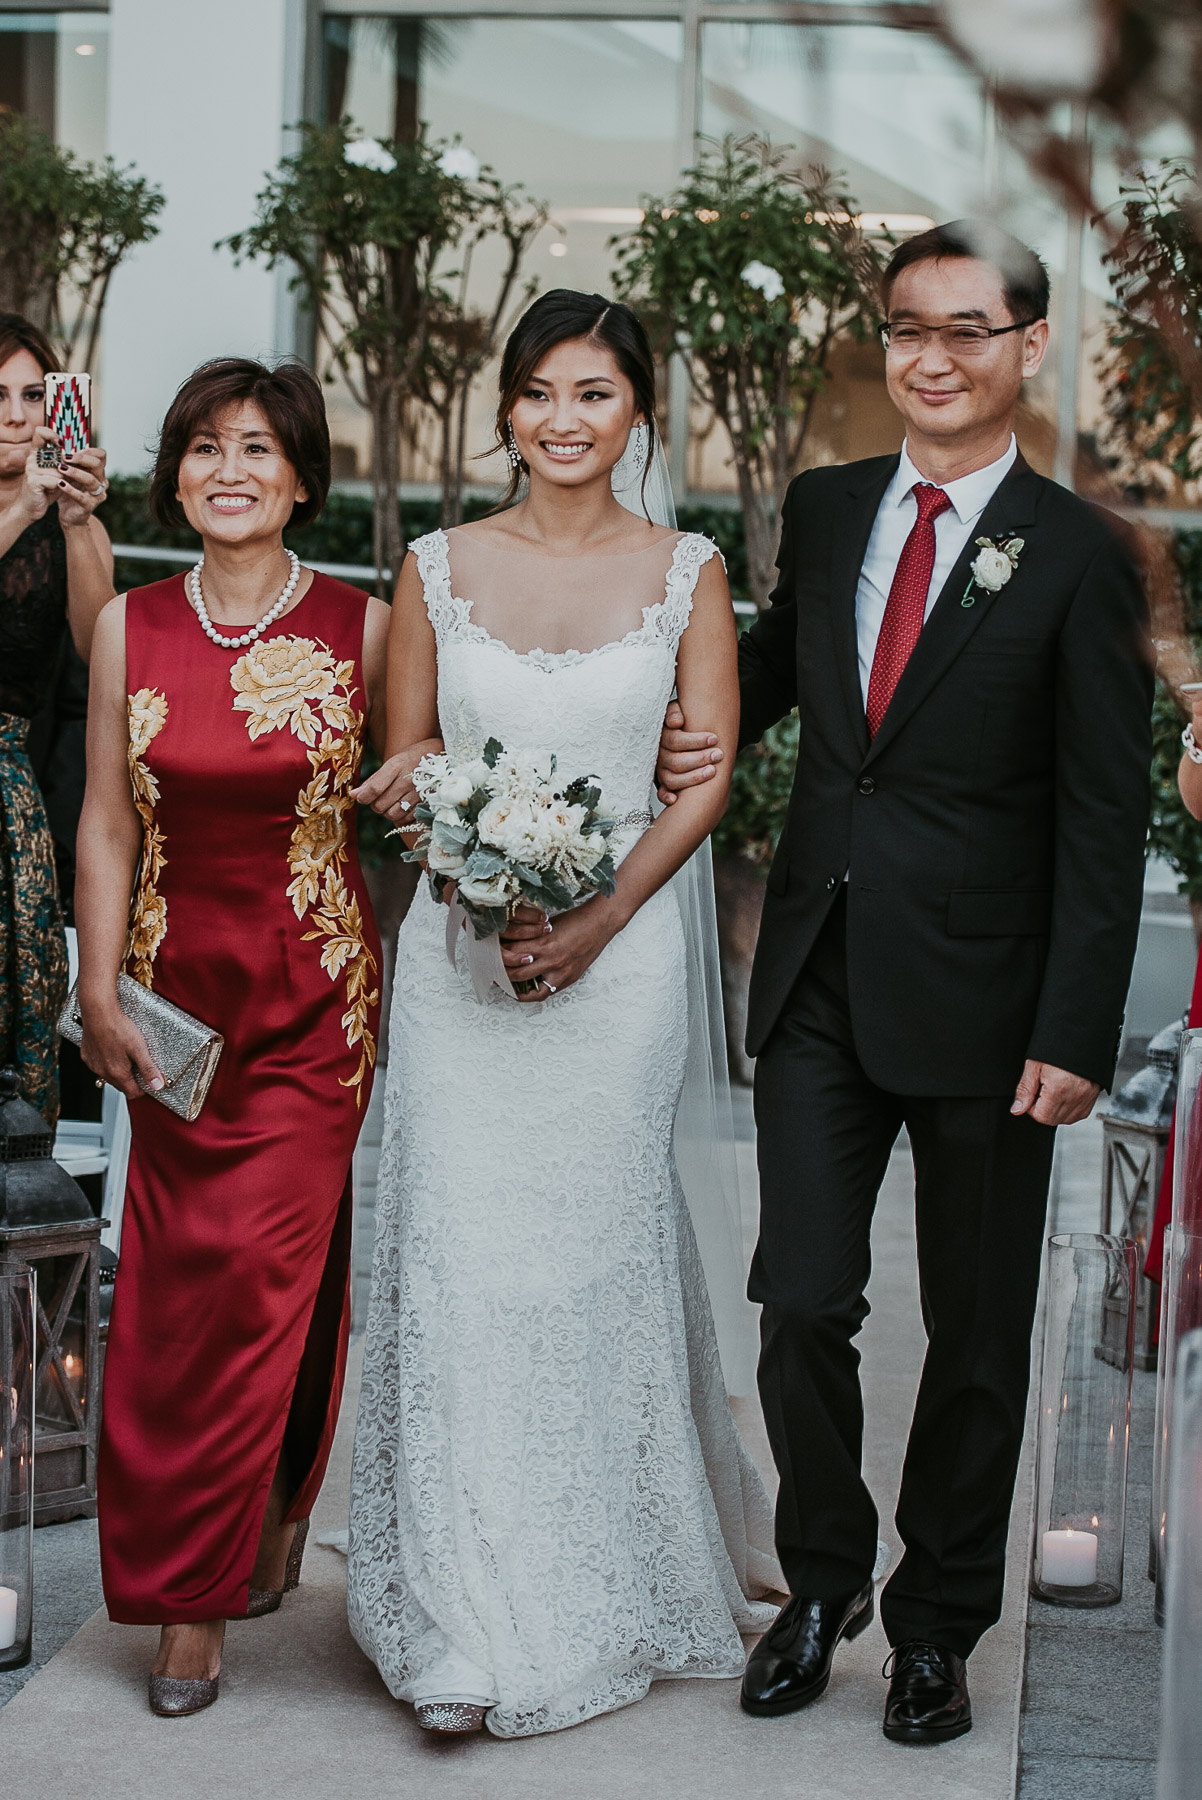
<point>68,415</point>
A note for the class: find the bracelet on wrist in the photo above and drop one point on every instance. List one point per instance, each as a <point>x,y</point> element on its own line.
<point>1191,747</point>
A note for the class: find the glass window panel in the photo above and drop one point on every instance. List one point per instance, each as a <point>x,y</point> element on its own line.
<point>583,112</point>
<point>908,128</point>
<point>54,68</point>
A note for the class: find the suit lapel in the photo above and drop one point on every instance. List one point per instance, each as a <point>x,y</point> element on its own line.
<point>951,625</point>
<point>853,525</point>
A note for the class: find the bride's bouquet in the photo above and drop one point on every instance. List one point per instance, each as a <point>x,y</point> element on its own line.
<point>506,835</point>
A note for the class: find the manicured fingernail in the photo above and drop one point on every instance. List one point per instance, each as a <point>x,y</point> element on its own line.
<point>527,959</point>
<point>156,1084</point>
<point>715,756</point>
<point>711,740</point>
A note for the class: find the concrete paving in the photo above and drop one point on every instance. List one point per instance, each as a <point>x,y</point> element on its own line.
<point>1091,1698</point>
<point>303,1714</point>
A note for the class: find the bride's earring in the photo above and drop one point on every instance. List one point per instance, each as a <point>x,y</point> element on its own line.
<point>512,453</point>
<point>638,450</point>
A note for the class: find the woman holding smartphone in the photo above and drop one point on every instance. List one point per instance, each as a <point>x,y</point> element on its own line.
<point>56,568</point>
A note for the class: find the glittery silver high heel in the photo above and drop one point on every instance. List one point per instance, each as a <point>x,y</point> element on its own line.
<point>172,1698</point>
<point>296,1556</point>
<point>261,1601</point>
<point>450,1718</point>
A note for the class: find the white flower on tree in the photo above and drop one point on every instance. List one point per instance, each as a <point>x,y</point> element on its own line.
<point>768,280</point>
<point>459,161</point>
<point>370,153</point>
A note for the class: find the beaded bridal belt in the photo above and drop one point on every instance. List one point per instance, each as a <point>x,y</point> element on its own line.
<point>631,821</point>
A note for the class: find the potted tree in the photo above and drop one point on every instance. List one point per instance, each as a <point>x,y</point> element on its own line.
<point>752,273</point>
<point>366,225</point>
<point>65,226</point>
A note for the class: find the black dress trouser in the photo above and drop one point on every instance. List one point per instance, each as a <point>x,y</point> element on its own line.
<point>825,1134</point>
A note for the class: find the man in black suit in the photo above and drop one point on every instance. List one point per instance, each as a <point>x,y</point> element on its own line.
<point>946,945</point>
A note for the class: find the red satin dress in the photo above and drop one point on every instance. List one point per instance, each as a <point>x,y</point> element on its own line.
<point>227,1343</point>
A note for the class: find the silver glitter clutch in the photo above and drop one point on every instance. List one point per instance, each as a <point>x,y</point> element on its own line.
<point>185,1051</point>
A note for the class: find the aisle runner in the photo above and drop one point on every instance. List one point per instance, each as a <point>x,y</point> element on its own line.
<point>303,1716</point>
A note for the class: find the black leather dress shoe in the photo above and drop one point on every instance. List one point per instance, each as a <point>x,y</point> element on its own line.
<point>928,1695</point>
<point>791,1664</point>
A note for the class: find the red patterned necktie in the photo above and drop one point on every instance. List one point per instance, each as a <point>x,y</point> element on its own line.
<point>907,604</point>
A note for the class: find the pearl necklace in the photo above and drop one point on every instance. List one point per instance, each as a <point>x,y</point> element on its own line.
<point>252,631</point>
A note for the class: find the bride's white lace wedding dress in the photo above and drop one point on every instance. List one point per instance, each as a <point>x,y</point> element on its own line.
<point>550,1504</point>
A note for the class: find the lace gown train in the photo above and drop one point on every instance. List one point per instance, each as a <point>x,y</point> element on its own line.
<point>550,1506</point>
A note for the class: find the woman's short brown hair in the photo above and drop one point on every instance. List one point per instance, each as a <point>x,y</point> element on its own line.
<point>290,398</point>
<point>19,333</point>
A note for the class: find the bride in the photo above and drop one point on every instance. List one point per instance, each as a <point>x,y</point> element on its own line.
<point>550,1506</point>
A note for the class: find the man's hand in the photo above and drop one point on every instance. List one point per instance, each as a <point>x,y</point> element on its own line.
<point>1052,1096</point>
<point>685,757</point>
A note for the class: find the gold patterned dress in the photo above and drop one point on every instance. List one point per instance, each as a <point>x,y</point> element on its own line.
<point>228,1333</point>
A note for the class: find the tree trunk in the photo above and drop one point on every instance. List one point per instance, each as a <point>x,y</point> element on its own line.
<point>388,544</point>
<point>739,889</point>
<point>760,527</point>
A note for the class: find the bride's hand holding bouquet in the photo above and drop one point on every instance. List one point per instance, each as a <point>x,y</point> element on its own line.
<point>509,848</point>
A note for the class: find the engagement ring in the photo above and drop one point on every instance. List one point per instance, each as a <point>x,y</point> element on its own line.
<point>404,806</point>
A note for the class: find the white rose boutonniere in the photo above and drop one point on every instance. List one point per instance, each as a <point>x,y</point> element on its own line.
<point>992,568</point>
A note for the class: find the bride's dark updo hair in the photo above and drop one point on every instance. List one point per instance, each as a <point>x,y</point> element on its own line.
<point>556,318</point>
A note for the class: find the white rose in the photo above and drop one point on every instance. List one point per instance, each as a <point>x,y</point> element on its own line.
<point>458,160</point>
<point>992,569</point>
<point>445,862</point>
<point>768,280</point>
<point>369,153</point>
<point>456,790</point>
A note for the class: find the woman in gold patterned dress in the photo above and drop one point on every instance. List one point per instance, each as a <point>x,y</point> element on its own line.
<point>224,738</point>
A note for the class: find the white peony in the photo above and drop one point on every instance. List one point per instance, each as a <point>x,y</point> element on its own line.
<point>445,862</point>
<point>992,569</point>
<point>456,790</point>
<point>506,825</point>
<point>478,773</point>
<point>768,280</point>
<point>457,160</point>
<point>369,153</point>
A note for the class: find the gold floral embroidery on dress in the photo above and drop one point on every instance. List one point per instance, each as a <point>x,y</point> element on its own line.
<point>293,683</point>
<point>148,912</point>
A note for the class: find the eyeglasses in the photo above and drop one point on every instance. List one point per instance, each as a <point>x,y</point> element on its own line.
<point>960,340</point>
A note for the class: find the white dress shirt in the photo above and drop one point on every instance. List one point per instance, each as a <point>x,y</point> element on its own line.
<point>969,497</point>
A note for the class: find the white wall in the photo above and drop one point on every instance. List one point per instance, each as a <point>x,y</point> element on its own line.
<point>199,95</point>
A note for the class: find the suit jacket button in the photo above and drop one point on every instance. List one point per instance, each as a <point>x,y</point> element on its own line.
<point>832,884</point>
<point>866,784</point>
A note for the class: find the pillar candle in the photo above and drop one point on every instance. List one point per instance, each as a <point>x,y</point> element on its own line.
<point>8,1618</point>
<point>1070,1558</point>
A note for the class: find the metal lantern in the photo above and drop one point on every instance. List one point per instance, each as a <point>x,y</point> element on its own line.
<point>1135,1139</point>
<point>17,1305</point>
<point>46,1222</point>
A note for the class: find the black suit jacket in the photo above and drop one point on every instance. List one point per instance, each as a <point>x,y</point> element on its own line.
<point>993,832</point>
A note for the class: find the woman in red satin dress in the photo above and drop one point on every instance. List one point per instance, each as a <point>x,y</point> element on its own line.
<point>218,793</point>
